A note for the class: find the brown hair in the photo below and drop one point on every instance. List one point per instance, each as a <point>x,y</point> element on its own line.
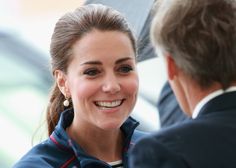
<point>200,35</point>
<point>70,28</point>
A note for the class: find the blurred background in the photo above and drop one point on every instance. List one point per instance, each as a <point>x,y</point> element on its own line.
<point>25,31</point>
<point>25,80</point>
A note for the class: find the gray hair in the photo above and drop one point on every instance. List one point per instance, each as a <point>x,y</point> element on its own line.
<point>200,35</point>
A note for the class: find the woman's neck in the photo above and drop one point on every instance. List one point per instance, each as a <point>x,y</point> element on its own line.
<point>104,145</point>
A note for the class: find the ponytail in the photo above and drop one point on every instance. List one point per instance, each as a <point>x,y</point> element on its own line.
<point>55,108</point>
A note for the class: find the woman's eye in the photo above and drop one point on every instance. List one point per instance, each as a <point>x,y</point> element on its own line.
<point>125,69</point>
<point>91,72</point>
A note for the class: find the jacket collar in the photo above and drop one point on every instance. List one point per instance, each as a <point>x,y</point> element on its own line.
<point>63,141</point>
<point>220,103</point>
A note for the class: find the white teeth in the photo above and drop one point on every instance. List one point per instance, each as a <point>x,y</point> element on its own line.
<point>109,104</point>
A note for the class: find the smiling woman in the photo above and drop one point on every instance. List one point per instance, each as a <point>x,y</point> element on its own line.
<point>93,53</point>
<point>101,80</point>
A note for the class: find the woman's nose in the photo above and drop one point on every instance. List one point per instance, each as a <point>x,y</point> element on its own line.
<point>111,84</point>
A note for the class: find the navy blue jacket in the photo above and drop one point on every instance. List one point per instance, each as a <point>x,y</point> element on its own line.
<point>209,141</point>
<point>59,151</point>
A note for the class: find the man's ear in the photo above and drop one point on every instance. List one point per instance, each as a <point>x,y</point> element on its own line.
<point>172,69</point>
<point>62,82</point>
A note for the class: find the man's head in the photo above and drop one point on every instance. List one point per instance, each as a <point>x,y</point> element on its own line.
<point>198,40</point>
<point>200,35</point>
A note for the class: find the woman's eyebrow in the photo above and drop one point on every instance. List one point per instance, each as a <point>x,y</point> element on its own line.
<point>92,63</point>
<point>123,60</point>
<point>100,63</point>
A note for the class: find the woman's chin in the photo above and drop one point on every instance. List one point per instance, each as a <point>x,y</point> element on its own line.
<point>108,126</point>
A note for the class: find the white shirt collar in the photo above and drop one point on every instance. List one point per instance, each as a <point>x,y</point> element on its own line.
<point>208,98</point>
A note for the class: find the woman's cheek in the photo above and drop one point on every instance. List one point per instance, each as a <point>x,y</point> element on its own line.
<point>132,85</point>
<point>86,89</point>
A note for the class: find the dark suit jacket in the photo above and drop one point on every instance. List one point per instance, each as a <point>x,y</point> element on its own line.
<point>209,141</point>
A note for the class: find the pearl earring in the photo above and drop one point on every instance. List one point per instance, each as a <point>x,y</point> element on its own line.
<point>66,102</point>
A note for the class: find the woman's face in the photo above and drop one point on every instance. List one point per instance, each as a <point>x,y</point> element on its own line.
<point>102,79</point>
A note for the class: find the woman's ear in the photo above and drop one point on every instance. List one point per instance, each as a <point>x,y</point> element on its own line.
<point>62,82</point>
